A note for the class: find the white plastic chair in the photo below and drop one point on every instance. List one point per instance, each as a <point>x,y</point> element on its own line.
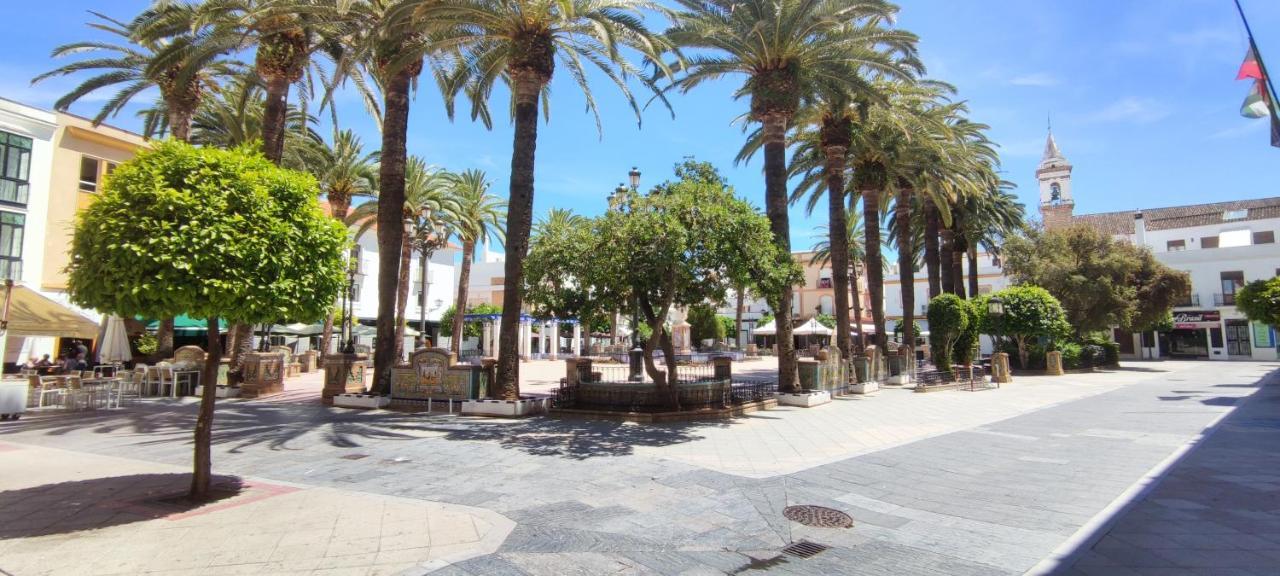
<point>163,376</point>
<point>52,388</point>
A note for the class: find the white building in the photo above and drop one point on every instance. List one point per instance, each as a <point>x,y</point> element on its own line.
<point>1221,245</point>
<point>441,286</point>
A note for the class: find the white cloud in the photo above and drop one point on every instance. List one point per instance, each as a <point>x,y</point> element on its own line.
<point>1038,79</point>
<point>1243,128</point>
<point>1132,110</point>
<point>1205,37</point>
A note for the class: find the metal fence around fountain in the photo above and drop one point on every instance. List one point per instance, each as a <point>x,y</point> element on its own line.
<point>610,387</point>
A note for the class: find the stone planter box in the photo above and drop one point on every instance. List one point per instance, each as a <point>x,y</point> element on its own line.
<point>222,391</point>
<point>645,396</point>
<point>805,399</point>
<point>864,387</point>
<point>365,401</point>
<point>263,374</point>
<point>527,406</point>
<point>343,374</point>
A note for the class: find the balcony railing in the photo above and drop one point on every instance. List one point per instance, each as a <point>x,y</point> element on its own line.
<point>10,268</point>
<point>1224,299</point>
<point>1192,300</point>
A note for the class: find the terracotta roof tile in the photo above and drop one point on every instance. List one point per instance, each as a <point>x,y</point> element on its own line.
<point>1182,216</point>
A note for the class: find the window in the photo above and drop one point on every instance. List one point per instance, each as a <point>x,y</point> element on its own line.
<point>826,305</point>
<point>1209,242</point>
<point>1233,238</point>
<point>12,227</point>
<point>15,168</point>
<point>1055,192</point>
<point>89,174</point>
<point>1176,245</point>
<point>1264,237</point>
<point>1235,214</point>
<point>1231,281</point>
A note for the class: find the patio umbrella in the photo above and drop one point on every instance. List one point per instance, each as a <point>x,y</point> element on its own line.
<point>298,329</point>
<point>811,328</point>
<point>115,343</point>
<point>769,329</point>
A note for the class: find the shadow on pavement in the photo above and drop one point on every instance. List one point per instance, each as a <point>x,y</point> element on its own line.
<point>68,507</point>
<point>241,425</point>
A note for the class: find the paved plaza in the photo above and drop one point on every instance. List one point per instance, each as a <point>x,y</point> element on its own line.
<point>1048,475</point>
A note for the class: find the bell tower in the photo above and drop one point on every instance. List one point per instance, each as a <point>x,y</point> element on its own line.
<point>1054,174</point>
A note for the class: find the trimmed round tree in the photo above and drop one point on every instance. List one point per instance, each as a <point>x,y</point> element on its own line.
<point>1030,313</point>
<point>212,234</point>
<point>948,320</point>
<point>1260,301</point>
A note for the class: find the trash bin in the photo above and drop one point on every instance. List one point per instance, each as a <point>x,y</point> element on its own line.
<point>13,398</point>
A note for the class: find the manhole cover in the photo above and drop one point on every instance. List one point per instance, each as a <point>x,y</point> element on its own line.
<point>805,548</point>
<point>354,456</point>
<point>818,516</point>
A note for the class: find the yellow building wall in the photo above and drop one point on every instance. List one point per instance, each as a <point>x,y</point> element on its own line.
<point>76,137</point>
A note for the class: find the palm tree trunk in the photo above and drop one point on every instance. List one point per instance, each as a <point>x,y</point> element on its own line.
<point>775,200</point>
<point>338,206</point>
<point>395,124</point>
<point>527,88</point>
<point>875,263</point>
<point>402,296</point>
<point>202,469</point>
<point>973,270</point>
<point>945,255</point>
<point>737,317</point>
<point>838,227</point>
<point>460,305</point>
<point>906,266</point>
<point>931,257</point>
<point>857,307</point>
<point>273,118</point>
<point>957,263</point>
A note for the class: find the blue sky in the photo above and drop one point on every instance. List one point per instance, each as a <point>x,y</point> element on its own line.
<point>1141,92</point>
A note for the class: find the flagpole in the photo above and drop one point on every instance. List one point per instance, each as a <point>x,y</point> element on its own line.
<point>1262,67</point>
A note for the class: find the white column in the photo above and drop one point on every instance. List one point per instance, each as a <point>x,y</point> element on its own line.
<point>577,339</point>
<point>495,333</point>
<point>526,333</point>
<point>545,339</point>
<point>485,331</point>
<point>555,340</point>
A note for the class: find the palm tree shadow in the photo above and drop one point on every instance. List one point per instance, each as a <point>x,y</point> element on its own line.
<point>68,507</point>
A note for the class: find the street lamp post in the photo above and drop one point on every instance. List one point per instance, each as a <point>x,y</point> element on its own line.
<point>348,307</point>
<point>999,359</point>
<point>636,356</point>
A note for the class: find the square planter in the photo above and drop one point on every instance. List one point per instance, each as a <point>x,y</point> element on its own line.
<point>899,380</point>
<point>366,401</point>
<point>509,408</point>
<point>864,387</point>
<point>806,399</point>
<point>222,391</point>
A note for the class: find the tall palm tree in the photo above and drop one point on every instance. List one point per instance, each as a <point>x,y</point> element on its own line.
<point>344,171</point>
<point>822,255</point>
<point>427,204</point>
<point>988,219</point>
<point>182,67</point>
<point>479,216</point>
<point>789,51</point>
<point>520,43</point>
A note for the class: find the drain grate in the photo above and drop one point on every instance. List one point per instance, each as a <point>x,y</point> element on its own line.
<point>805,549</point>
<point>818,516</point>
<point>354,456</point>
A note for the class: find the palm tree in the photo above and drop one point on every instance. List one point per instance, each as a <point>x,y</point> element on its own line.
<point>427,204</point>
<point>790,51</point>
<point>344,171</point>
<point>988,218</point>
<point>822,255</point>
<point>520,43</point>
<point>479,216</point>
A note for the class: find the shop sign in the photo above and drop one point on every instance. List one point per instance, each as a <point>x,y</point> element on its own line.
<point>1197,319</point>
<point>1263,336</point>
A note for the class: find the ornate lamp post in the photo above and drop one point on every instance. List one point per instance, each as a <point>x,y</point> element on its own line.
<point>999,360</point>
<point>636,355</point>
<point>348,306</point>
<point>995,309</point>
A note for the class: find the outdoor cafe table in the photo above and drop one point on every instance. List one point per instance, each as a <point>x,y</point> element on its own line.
<point>93,392</point>
<point>189,377</point>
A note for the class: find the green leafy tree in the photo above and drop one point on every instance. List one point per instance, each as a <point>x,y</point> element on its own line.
<point>207,233</point>
<point>1260,301</point>
<point>552,285</point>
<point>948,320</point>
<point>1030,313</point>
<point>965,348</point>
<point>470,329</point>
<point>1100,281</point>
<point>704,324</point>
<point>827,320</point>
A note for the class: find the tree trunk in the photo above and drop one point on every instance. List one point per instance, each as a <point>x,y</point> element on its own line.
<point>180,122</point>
<point>958,248</point>
<point>273,118</point>
<point>402,296</point>
<point>241,343</point>
<point>339,204</point>
<point>931,258</point>
<point>203,466</point>
<point>775,175</point>
<point>164,339</point>
<point>945,254</point>
<point>326,336</point>
<point>857,308</point>
<point>838,227</point>
<point>527,87</point>
<point>460,304</point>
<point>875,264</point>
<point>395,124</point>
<point>906,267</point>
<point>737,318</point>
<point>973,270</point>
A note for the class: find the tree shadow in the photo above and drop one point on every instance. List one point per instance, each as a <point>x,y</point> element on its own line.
<point>239,426</point>
<point>1123,368</point>
<point>67,507</point>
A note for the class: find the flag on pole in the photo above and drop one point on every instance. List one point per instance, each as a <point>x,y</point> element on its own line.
<point>1249,68</point>
<point>1255,105</point>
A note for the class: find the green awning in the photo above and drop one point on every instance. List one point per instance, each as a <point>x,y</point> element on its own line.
<point>187,325</point>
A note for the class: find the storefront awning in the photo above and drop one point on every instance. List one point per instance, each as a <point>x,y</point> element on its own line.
<point>31,313</point>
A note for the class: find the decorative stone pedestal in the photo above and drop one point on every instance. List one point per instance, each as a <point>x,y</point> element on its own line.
<point>309,361</point>
<point>366,401</point>
<point>222,391</point>
<point>1053,363</point>
<point>806,399</point>
<point>343,374</point>
<point>526,406</point>
<point>263,374</point>
<point>1000,368</point>
<point>864,387</point>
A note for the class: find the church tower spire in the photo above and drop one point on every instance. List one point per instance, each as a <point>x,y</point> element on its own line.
<point>1054,174</point>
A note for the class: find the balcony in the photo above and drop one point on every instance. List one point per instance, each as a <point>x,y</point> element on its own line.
<point>824,284</point>
<point>1224,299</point>
<point>1189,301</point>
<point>10,268</point>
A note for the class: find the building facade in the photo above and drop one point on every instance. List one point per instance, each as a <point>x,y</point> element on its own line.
<point>1221,245</point>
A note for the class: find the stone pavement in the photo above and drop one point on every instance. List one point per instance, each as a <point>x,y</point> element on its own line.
<point>1216,511</point>
<point>76,513</point>
<point>594,497</point>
